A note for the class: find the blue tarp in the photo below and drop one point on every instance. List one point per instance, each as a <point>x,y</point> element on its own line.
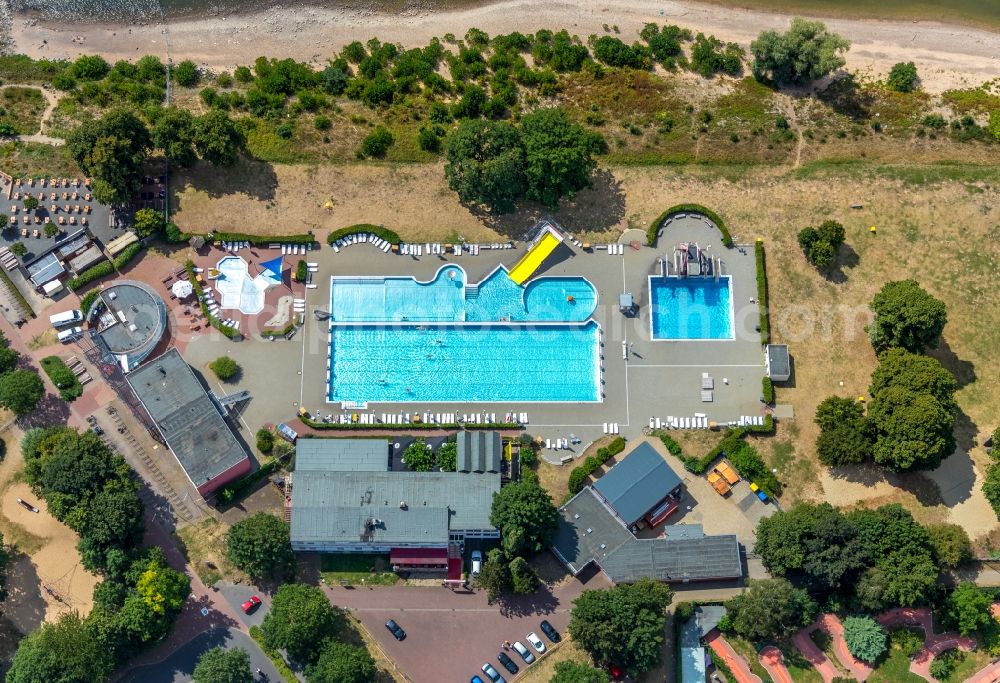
<point>274,266</point>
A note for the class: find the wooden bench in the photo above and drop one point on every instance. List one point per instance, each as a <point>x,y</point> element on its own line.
<point>565,459</point>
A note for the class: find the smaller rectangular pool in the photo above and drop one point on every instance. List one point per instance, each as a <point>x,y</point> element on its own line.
<point>691,308</point>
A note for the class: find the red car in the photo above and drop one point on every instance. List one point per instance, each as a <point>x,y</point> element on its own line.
<point>251,604</point>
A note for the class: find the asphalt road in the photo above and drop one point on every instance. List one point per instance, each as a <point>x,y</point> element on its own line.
<point>179,666</point>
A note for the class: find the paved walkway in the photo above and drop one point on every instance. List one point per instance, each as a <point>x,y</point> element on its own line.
<point>179,665</point>
<point>735,662</point>
<point>814,655</point>
<point>934,643</point>
<point>773,661</point>
<point>832,625</point>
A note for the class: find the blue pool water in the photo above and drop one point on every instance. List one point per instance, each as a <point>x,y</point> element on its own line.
<point>463,363</point>
<point>447,298</point>
<point>691,308</point>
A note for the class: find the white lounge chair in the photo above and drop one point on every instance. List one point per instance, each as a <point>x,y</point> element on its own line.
<point>605,427</point>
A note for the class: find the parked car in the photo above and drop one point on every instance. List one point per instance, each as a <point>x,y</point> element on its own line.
<point>550,632</point>
<point>475,679</point>
<point>493,674</point>
<point>536,642</point>
<point>250,605</point>
<point>507,662</point>
<point>394,628</point>
<point>520,649</point>
<point>477,562</point>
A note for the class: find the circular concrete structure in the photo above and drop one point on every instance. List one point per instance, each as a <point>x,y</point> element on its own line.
<point>127,321</point>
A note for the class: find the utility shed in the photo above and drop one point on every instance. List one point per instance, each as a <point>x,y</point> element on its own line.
<point>779,365</point>
<point>479,451</point>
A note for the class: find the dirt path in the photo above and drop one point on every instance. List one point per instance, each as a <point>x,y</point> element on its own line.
<point>735,662</point>
<point>51,101</point>
<point>945,55</point>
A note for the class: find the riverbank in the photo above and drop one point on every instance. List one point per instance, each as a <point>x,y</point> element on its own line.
<point>946,55</point>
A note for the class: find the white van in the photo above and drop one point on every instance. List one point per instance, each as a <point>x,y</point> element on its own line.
<point>66,318</point>
<point>69,334</point>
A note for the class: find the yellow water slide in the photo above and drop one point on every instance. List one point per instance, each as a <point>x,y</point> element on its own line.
<point>544,245</point>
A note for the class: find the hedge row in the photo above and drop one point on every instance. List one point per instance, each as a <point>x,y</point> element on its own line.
<point>672,446</point>
<point>654,228</point>
<point>362,228</point>
<point>102,269</point>
<point>730,439</point>
<point>752,467</point>
<point>226,330</point>
<point>66,382</point>
<point>412,426</point>
<point>87,302</point>
<point>765,324</point>
<point>273,334</point>
<point>240,487</point>
<point>767,390</point>
<point>578,477</point>
<point>17,293</point>
<point>279,662</point>
<point>262,240</point>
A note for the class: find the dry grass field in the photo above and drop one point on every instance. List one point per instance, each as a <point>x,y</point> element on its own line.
<point>938,224</point>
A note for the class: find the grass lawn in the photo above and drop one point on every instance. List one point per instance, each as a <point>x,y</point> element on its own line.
<point>798,666</point>
<point>967,663</point>
<point>544,669</point>
<point>371,570</point>
<point>69,386</point>
<point>204,543</point>
<point>895,666</point>
<point>22,108</point>
<point>746,649</point>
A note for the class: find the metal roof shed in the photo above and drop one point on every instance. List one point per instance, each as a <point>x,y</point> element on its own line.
<point>637,483</point>
<point>779,365</point>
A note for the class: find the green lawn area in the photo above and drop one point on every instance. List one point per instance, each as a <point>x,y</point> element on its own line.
<point>371,570</point>
<point>895,667</point>
<point>967,664</point>
<point>746,649</point>
<point>64,379</point>
<point>798,666</point>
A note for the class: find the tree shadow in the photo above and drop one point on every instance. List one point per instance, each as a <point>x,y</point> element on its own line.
<point>845,97</point>
<point>963,370</point>
<point>542,601</point>
<point>251,177</point>
<point>597,208</point>
<point>24,607</point>
<point>926,491</point>
<point>51,410</point>
<point>847,259</point>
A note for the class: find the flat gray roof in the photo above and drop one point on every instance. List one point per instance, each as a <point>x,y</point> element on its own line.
<point>187,417</point>
<point>638,482</point>
<point>777,359</point>
<point>590,532</point>
<point>85,259</point>
<point>342,455</point>
<point>130,321</point>
<point>44,269</point>
<point>479,451</point>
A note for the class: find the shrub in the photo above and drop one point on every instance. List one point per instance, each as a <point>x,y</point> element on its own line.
<point>672,446</point>
<point>654,228</point>
<point>87,301</point>
<point>903,77</point>
<point>752,467</point>
<point>764,324</point>
<point>377,143</point>
<point>683,611</point>
<point>577,480</point>
<point>944,664</point>
<point>19,249</point>
<point>186,74</point>
<point>301,271</point>
<point>361,228</point>
<point>265,440</point>
<point>224,367</point>
<point>64,379</point>
<point>322,122</point>
<point>767,390</point>
<point>865,637</point>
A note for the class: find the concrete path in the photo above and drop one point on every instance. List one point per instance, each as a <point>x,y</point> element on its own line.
<point>814,655</point>
<point>988,674</point>
<point>832,625</point>
<point>735,662</point>
<point>179,665</point>
<point>934,643</point>
<point>773,661</point>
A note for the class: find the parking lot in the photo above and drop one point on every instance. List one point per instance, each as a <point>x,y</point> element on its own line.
<point>451,634</point>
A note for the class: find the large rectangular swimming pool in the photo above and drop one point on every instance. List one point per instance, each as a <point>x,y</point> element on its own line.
<point>463,363</point>
<point>691,308</point>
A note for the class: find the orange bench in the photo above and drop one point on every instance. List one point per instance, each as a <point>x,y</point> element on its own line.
<point>727,472</point>
<point>718,483</point>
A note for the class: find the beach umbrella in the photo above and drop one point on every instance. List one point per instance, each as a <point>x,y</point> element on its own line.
<point>182,289</point>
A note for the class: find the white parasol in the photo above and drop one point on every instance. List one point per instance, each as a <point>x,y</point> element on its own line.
<point>182,289</point>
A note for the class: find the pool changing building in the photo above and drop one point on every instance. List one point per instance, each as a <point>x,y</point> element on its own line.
<point>596,527</point>
<point>345,500</point>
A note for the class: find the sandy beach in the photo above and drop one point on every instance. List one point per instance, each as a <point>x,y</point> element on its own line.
<point>946,55</point>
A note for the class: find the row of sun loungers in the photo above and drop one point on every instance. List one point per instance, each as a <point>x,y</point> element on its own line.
<point>559,443</point>
<point>699,421</point>
<point>288,249</point>
<point>611,428</point>
<point>751,421</point>
<point>360,238</point>
<point>7,258</point>
<point>616,249</point>
<point>79,369</point>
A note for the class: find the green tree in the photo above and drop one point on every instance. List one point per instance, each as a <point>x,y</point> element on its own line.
<point>342,663</point>
<point>112,150</point>
<point>185,74</point>
<point>967,609</point>
<point>805,53</point>
<point>8,357</point>
<point>300,619</point>
<point>558,156</point>
<point>831,231</point>
<point>5,559</point>
<point>903,77</point>
<point>526,518</point>
<point>578,672</point>
<point>486,164</point>
<point>770,608</point>
<point>260,545</point>
<point>163,589</point>
<point>265,440</point>
<point>447,456</point>
<point>911,430</point>
<point>994,123</point>
<point>217,139</point>
<point>21,391</point>
<point>815,545</point>
<point>866,638</point>
<point>174,133</point>
<point>916,373</point>
<point>220,665</point>
<point>991,486</point>
<point>418,456</point>
<point>822,254</point>
<point>224,367</point>
<point>950,544</point>
<point>844,436</point>
<point>377,143</point>
<point>148,222</point>
<point>623,624</point>
<point>60,652</point>
<point>494,576</point>
<point>907,317</point>
<point>523,578</point>
<point>18,249</point>
<point>111,516</point>
<point>30,203</point>
<point>90,68</point>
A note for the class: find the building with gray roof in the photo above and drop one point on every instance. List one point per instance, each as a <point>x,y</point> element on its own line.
<point>478,451</point>
<point>777,362</point>
<point>592,530</point>
<point>637,483</point>
<point>190,421</point>
<point>345,499</point>
<point>127,321</point>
